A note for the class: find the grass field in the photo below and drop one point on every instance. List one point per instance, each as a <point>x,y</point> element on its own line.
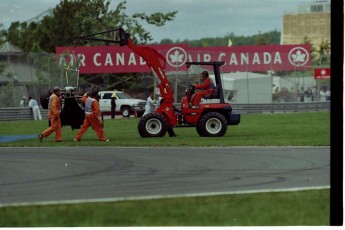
<point>296,129</point>
<point>303,208</point>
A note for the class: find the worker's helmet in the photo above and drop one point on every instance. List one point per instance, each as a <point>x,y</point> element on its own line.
<point>56,89</point>
<point>94,94</point>
<point>204,74</point>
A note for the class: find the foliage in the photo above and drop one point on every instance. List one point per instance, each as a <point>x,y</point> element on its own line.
<point>320,55</point>
<point>6,91</point>
<point>272,37</point>
<point>71,18</point>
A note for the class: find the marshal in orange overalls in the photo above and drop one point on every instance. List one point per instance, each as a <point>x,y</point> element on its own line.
<point>54,107</point>
<point>92,118</point>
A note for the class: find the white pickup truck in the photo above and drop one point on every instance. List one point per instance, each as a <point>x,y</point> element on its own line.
<point>125,104</point>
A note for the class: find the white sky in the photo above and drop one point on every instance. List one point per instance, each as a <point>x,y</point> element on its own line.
<point>195,18</point>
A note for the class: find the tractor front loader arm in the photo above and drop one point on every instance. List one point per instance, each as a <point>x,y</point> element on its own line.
<point>153,59</point>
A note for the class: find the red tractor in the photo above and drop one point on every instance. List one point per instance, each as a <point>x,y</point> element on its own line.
<point>210,118</point>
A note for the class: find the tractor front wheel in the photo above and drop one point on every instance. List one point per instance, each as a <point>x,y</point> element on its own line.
<point>212,124</point>
<point>152,125</point>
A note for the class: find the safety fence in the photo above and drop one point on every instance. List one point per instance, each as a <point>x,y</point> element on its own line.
<point>280,107</point>
<point>24,75</point>
<point>12,114</point>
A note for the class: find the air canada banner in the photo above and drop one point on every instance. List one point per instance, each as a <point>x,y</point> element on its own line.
<point>322,73</point>
<point>116,59</point>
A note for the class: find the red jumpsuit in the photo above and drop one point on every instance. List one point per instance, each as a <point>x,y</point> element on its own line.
<point>206,86</point>
<point>54,107</point>
<point>92,118</point>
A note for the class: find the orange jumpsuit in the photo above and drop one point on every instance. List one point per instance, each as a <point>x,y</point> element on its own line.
<point>207,90</point>
<point>92,118</point>
<point>54,107</point>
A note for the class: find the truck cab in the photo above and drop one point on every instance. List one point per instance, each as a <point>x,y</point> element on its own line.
<point>125,104</point>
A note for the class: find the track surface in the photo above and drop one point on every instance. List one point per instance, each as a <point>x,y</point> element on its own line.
<point>30,175</point>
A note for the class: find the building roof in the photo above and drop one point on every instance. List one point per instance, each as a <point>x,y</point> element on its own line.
<point>8,47</point>
<point>3,79</point>
<point>23,73</point>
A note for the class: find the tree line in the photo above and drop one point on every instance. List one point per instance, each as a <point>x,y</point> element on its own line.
<point>70,19</point>
<point>73,18</point>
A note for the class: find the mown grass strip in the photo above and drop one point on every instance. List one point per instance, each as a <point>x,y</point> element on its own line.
<point>303,208</point>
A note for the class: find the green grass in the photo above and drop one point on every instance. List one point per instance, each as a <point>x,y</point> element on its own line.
<point>296,129</point>
<point>304,208</point>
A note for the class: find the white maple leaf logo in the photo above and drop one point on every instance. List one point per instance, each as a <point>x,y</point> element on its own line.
<point>298,57</point>
<point>176,57</point>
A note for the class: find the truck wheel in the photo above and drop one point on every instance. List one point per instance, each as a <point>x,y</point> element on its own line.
<point>152,125</point>
<point>212,124</point>
<point>126,111</point>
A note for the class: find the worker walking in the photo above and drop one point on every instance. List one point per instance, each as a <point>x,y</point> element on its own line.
<point>93,117</point>
<point>54,107</point>
<point>149,104</point>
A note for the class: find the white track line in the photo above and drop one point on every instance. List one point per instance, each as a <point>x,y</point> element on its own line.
<point>102,200</point>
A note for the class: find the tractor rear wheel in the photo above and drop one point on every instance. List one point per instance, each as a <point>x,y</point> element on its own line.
<point>212,124</point>
<point>152,125</point>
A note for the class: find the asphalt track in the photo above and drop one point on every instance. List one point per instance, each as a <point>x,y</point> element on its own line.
<point>90,174</point>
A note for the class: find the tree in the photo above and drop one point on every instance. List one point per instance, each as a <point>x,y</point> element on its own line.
<point>2,34</point>
<point>72,18</point>
<point>324,52</point>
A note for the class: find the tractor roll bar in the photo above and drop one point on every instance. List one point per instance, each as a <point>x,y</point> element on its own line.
<point>216,65</point>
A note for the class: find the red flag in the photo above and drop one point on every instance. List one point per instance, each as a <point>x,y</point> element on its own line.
<point>322,73</point>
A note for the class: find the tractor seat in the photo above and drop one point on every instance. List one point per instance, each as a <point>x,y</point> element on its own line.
<point>210,101</point>
<point>213,95</point>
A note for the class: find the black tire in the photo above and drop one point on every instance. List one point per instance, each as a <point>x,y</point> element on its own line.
<point>212,124</point>
<point>140,114</point>
<point>44,99</point>
<point>126,111</point>
<point>152,125</point>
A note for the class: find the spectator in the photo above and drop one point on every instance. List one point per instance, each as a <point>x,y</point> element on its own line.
<point>328,95</point>
<point>314,93</point>
<point>276,94</point>
<point>322,94</point>
<point>23,102</point>
<point>113,105</point>
<point>35,109</point>
<point>301,95</point>
<point>308,95</point>
<point>149,104</point>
